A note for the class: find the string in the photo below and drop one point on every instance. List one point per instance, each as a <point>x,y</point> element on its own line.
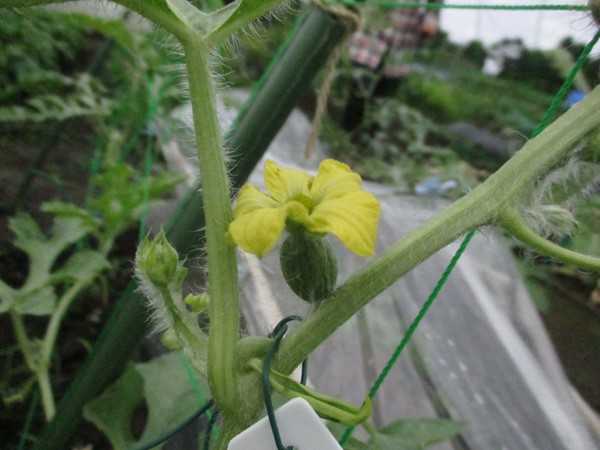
<point>351,21</point>
<point>554,105</point>
<point>564,89</point>
<point>392,4</point>
<point>413,326</point>
<point>192,379</point>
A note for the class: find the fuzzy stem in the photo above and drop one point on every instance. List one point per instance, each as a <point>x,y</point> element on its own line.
<point>222,263</point>
<point>228,429</point>
<point>486,204</point>
<point>193,340</point>
<point>515,225</point>
<point>378,275</point>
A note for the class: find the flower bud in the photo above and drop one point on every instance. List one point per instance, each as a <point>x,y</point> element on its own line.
<point>197,302</point>
<point>157,260</point>
<point>169,340</point>
<point>308,265</point>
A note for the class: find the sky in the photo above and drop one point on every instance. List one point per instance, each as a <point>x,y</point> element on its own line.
<point>538,29</point>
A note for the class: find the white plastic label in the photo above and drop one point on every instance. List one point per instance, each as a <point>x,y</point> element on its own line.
<point>299,426</point>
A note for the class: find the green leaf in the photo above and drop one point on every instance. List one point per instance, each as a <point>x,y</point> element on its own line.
<point>82,96</point>
<point>38,302</point>
<point>26,231</point>
<point>421,433</point>
<point>355,444</point>
<point>62,209</point>
<point>168,406</point>
<point>16,394</point>
<point>327,407</point>
<point>235,16</point>
<point>189,15</point>
<point>384,442</point>
<point>7,296</point>
<point>111,411</point>
<point>83,266</point>
<point>37,296</point>
<point>125,195</point>
<point>413,434</point>
<point>176,399</point>
<point>43,251</point>
<point>114,29</point>
<point>338,430</point>
<point>66,231</point>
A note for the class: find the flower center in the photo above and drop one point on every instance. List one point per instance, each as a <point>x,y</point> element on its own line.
<point>304,200</point>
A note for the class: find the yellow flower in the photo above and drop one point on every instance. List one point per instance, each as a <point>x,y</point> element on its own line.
<point>331,202</point>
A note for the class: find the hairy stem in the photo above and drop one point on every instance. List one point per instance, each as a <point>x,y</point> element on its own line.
<point>192,339</point>
<point>222,263</point>
<point>486,204</point>
<point>515,225</point>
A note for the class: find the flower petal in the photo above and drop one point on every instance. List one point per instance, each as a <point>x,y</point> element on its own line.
<point>250,199</point>
<point>258,231</point>
<point>333,180</point>
<point>352,218</point>
<point>285,184</point>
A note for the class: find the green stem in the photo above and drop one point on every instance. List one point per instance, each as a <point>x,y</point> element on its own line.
<point>48,404</point>
<point>506,189</point>
<point>55,321</point>
<point>38,366</point>
<point>23,340</point>
<point>222,263</point>
<point>228,429</point>
<point>378,275</point>
<point>193,340</point>
<point>515,225</point>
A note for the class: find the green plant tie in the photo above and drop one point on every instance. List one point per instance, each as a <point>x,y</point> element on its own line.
<point>267,387</point>
<point>159,440</point>
<point>277,335</point>
<point>209,430</point>
<point>554,105</point>
<point>387,4</point>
